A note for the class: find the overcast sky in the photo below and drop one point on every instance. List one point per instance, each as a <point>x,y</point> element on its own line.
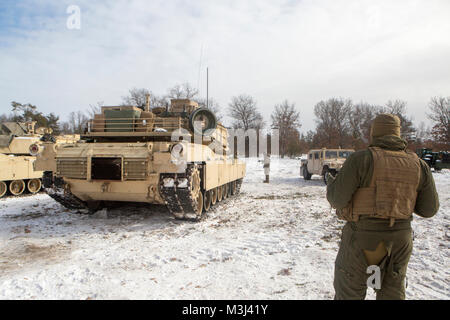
<point>303,51</point>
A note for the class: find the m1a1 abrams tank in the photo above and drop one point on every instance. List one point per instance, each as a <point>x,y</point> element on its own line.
<point>18,148</point>
<point>170,156</point>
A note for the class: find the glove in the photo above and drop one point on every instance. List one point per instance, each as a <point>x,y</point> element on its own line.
<point>330,177</point>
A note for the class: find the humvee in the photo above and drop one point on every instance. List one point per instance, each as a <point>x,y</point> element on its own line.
<point>322,161</point>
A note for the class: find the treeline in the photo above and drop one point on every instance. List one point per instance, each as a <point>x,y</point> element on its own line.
<point>28,112</point>
<point>339,122</point>
<point>77,120</point>
<point>343,123</point>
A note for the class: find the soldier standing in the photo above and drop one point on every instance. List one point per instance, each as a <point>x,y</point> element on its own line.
<point>376,192</point>
<point>266,166</point>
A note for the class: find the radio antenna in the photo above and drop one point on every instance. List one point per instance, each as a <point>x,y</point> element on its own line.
<point>200,67</point>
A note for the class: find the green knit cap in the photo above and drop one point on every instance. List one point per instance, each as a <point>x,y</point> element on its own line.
<point>385,124</point>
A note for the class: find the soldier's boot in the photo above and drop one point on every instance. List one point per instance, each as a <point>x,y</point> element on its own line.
<point>267,179</point>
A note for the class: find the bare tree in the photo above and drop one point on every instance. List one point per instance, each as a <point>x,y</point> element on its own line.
<point>333,128</point>
<point>243,110</point>
<point>138,98</point>
<point>77,122</point>
<point>423,133</point>
<point>94,109</point>
<point>440,115</point>
<point>259,123</point>
<point>182,91</point>
<point>360,118</point>
<point>213,105</point>
<point>157,101</point>
<point>6,118</point>
<point>287,120</point>
<point>64,128</point>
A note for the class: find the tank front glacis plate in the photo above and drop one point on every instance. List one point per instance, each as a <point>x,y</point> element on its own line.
<point>136,180</point>
<point>140,164</point>
<point>126,191</point>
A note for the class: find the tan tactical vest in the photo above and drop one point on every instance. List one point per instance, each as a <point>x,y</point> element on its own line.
<point>392,191</point>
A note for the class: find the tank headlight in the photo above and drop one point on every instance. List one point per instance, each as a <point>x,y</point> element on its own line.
<point>34,149</point>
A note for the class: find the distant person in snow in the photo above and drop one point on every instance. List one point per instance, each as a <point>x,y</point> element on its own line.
<point>266,166</point>
<point>376,192</point>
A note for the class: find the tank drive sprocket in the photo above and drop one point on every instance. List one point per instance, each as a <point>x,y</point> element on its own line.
<point>182,193</point>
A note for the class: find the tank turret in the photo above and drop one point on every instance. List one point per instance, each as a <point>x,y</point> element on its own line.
<point>129,123</point>
<point>19,143</point>
<point>17,137</point>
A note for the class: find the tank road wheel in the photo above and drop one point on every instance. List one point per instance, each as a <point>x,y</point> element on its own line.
<point>199,208</point>
<point>193,206</point>
<point>219,193</point>
<point>17,187</point>
<point>225,191</point>
<point>213,196</point>
<point>233,187</point>
<point>34,185</point>
<point>3,188</point>
<point>207,200</point>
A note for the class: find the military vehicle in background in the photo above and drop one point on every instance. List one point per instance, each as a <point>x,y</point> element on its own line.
<point>436,160</point>
<point>46,150</point>
<point>18,147</point>
<point>173,156</point>
<point>323,161</point>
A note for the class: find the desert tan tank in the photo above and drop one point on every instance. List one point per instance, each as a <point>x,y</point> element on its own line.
<point>174,156</point>
<point>18,143</point>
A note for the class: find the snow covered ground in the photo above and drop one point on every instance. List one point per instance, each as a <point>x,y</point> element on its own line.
<point>274,241</point>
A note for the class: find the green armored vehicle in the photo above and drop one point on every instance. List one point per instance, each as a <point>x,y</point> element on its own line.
<point>436,160</point>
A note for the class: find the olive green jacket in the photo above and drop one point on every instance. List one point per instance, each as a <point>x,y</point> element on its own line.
<point>357,173</point>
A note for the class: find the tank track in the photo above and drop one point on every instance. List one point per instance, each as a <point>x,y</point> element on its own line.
<point>66,198</point>
<point>169,194</point>
<point>175,190</point>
